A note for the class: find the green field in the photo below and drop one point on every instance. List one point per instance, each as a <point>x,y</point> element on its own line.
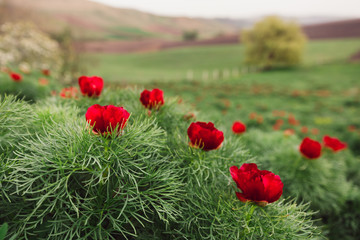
<point>64,181</point>
<point>323,93</point>
<point>174,64</point>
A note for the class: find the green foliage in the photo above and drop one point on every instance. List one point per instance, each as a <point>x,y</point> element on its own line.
<point>25,43</point>
<point>3,231</point>
<point>212,210</point>
<point>273,43</point>
<point>80,185</point>
<point>30,88</point>
<point>15,117</point>
<point>159,66</point>
<point>72,64</point>
<point>322,181</point>
<point>64,182</point>
<point>325,182</point>
<point>190,35</point>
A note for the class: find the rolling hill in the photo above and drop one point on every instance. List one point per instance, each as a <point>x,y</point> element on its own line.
<point>95,21</point>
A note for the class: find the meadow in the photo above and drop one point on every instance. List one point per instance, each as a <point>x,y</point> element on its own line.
<point>145,180</point>
<point>173,64</point>
<point>323,93</point>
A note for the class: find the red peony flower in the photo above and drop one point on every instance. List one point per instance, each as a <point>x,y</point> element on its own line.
<point>91,86</point>
<point>334,143</point>
<point>289,132</point>
<point>189,116</point>
<point>15,77</point>
<point>292,120</point>
<point>105,119</point>
<point>260,119</point>
<point>315,131</point>
<point>351,128</point>
<point>304,129</point>
<point>252,115</point>
<point>310,148</point>
<point>43,82</point>
<point>45,72</point>
<point>238,127</point>
<point>279,122</point>
<point>205,136</point>
<point>152,99</point>
<point>70,92</point>
<point>276,127</point>
<point>259,186</point>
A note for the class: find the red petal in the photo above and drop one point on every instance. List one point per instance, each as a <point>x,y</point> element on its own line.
<point>310,148</point>
<point>91,86</point>
<point>145,98</point>
<point>273,187</point>
<point>241,197</point>
<point>249,167</point>
<point>334,143</point>
<point>115,116</point>
<point>94,116</point>
<point>234,173</point>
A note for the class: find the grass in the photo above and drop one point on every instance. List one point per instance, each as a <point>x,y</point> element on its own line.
<point>322,94</point>
<point>123,33</point>
<point>173,64</point>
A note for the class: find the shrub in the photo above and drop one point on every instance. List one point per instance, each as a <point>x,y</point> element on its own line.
<point>273,43</point>
<point>32,87</point>
<point>190,35</point>
<point>64,182</point>
<point>324,182</point>
<point>23,43</point>
<point>76,185</point>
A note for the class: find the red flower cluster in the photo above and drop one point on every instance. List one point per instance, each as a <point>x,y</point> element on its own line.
<point>205,136</point>
<point>315,131</point>
<point>15,77</point>
<point>43,81</point>
<point>259,186</point>
<point>310,148</point>
<point>238,127</point>
<point>152,99</point>
<point>304,129</point>
<point>105,119</point>
<point>252,116</point>
<point>70,92</point>
<point>45,72</point>
<point>334,143</point>
<point>292,120</point>
<point>91,86</point>
<point>289,132</point>
<point>278,124</point>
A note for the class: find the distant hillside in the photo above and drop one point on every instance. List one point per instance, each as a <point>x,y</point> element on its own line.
<point>248,22</point>
<point>92,20</point>
<point>330,30</point>
<point>339,29</point>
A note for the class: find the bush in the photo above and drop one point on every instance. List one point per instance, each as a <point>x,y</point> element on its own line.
<point>63,182</point>
<point>326,183</point>
<point>190,35</point>
<point>33,86</point>
<point>273,43</point>
<point>23,43</point>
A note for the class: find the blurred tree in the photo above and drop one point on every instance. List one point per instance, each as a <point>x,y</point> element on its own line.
<point>23,43</point>
<point>72,64</point>
<point>274,43</point>
<point>190,35</point>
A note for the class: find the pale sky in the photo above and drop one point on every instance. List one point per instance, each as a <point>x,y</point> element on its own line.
<point>242,8</point>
